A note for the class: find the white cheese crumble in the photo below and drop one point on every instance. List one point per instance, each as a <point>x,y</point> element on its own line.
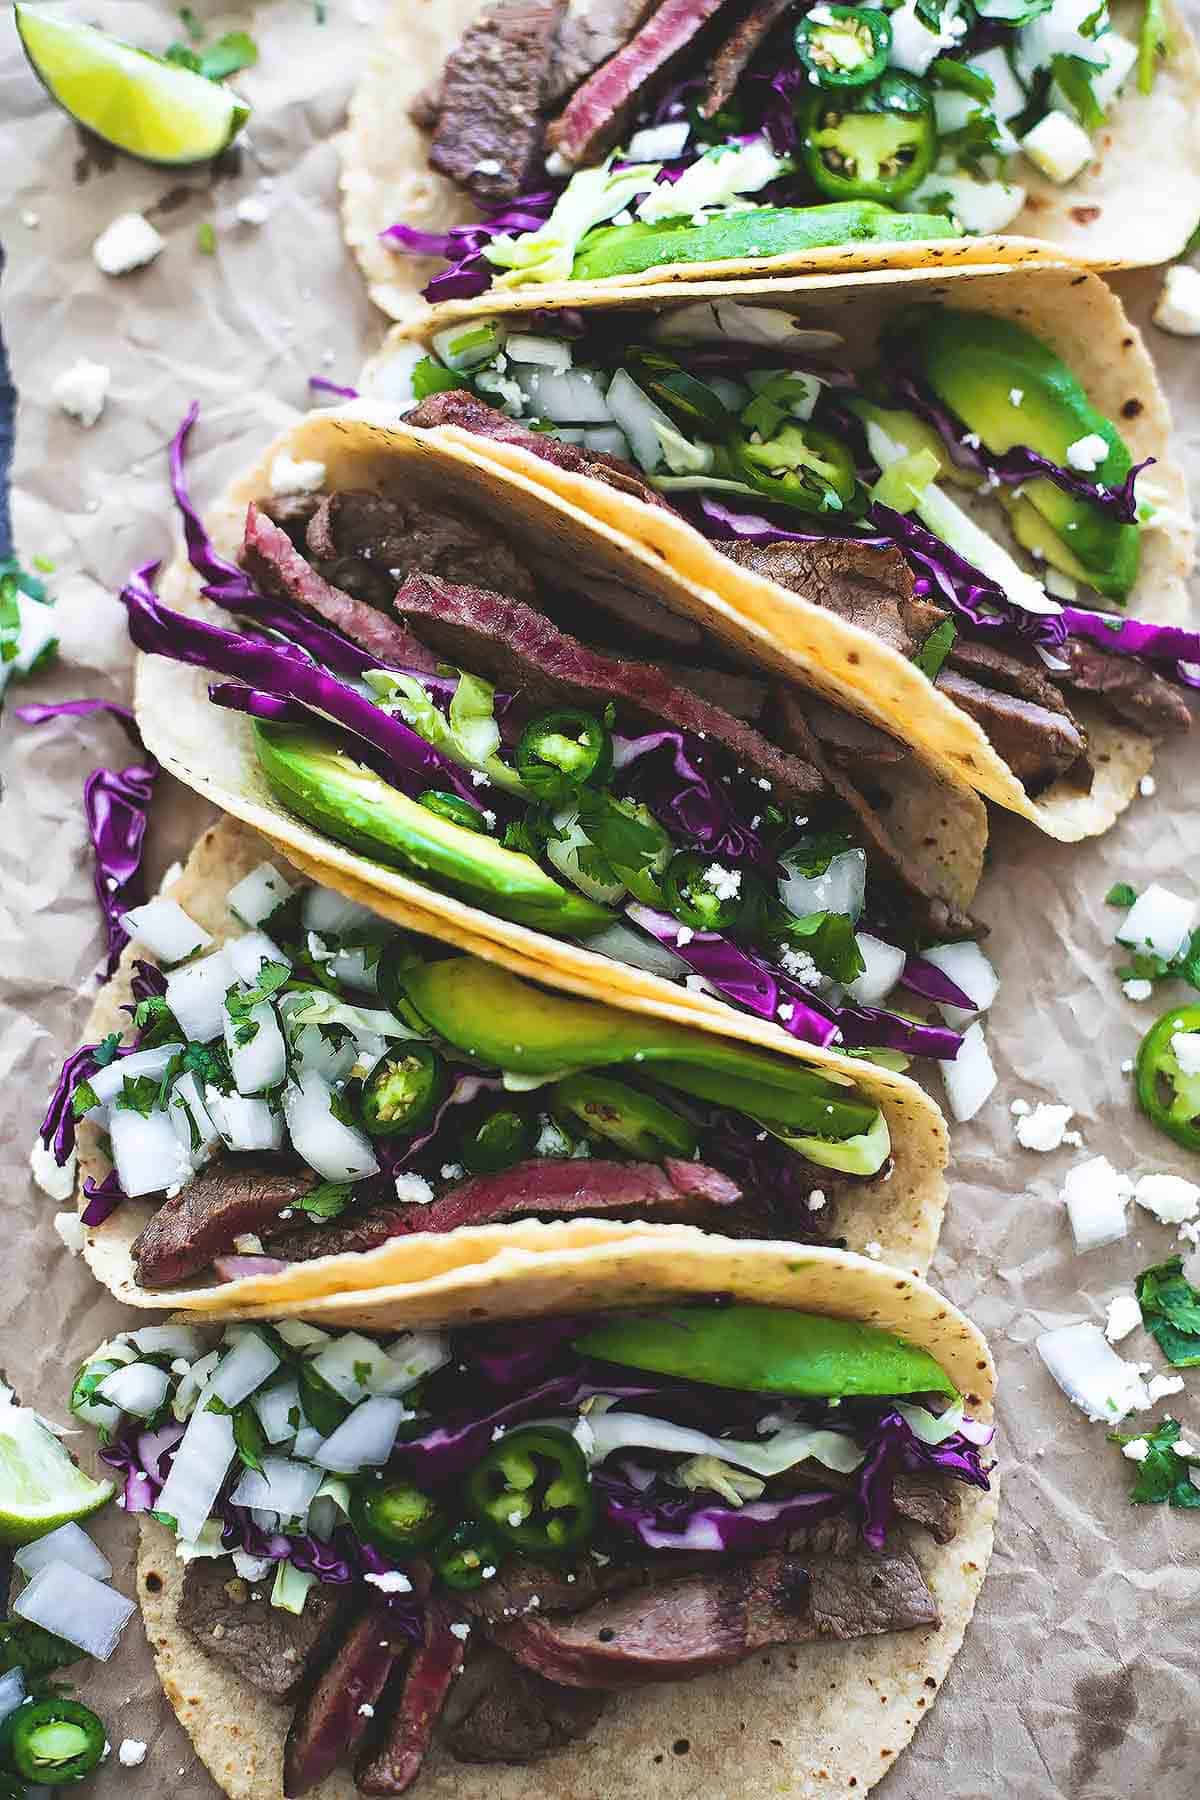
<point>288,476</point>
<point>1137,1450</point>
<point>1087,453</point>
<point>71,1229</point>
<point>874,1250</point>
<point>461,1631</point>
<point>800,965</point>
<point>452,1171</point>
<point>1044,1128</point>
<point>1185,1046</point>
<point>130,242</point>
<point>816,1200</point>
<point>1016,395</point>
<point>725,883</point>
<point>81,390</point>
<point>1159,1386</point>
<point>1178,306</point>
<point>413,1188</point>
<point>1137,988</point>
<point>390,1582</point>
<point>552,1140</point>
<point>1147,787</point>
<point>58,1184</point>
<point>1095,1195</point>
<point>131,1753</point>
<point>1124,1316</point>
<point>1170,1198</point>
<point>684,936</point>
<point>252,211</point>
<point>366,1710</point>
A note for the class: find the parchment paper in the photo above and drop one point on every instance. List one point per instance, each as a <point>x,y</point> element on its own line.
<point>1079,1675</point>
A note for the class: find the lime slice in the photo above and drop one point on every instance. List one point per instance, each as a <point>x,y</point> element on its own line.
<point>130,99</point>
<point>40,1487</point>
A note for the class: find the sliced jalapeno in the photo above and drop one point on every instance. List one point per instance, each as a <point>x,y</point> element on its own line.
<point>872,143</point>
<point>701,892</point>
<point>454,808</point>
<point>468,1556</point>
<point>691,403</point>
<point>495,1140</point>
<point>533,1488</point>
<point>562,750</point>
<point>844,46</point>
<point>402,1091</point>
<point>635,1122</point>
<point>799,466</point>
<point>53,1742</point>
<point>1167,1094</point>
<point>395,1515</point>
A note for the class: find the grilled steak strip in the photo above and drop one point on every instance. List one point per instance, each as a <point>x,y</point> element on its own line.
<point>395,1765</point>
<point>206,1216</point>
<point>1037,742</point>
<point>526,654</point>
<point>273,561</point>
<point>457,407</point>
<point>863,584</point>
<point>563,1188</point>
<point>595,117</point>
<point>731,60</point>
<point>1127,690</point>
<point>368,542</point>
<point>489,123</point>
<point>268,1647</point>
<point>329,1725</point>
<point>591,31</point>
<point>928,1501</point>
<point>518,1716</point>
<point>689,1627</point>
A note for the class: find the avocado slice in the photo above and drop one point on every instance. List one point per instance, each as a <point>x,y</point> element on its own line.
<point>767,1350</point>
<point>974,362</point>
<point>913,434</point>
<point>863,1154</point>
<point>308,774</point>
<point>511,1024</point>
<point>1038,536</point>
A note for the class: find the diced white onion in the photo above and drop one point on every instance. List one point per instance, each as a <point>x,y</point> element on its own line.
<point>147,1154</point>
<point>313,1050</point>
<point>352,967</point>
<point>970,1078</point>
<point>658,143</point>
<point>196,995</point>
<point>970,970</point>
<point>75,1606</point>
<point>139,1388</point>
<point>262,1062</point>
<point>469,342</point>
<point>12,1695</point>
<point>608,439</point>
<point>349,1356</point>
<point>248,953</point>
<point>721,321</point>
<point>546,352</point>
<point>193,1383</point>
<point>201,1461</point>
<point>325,910</point>
<point>641,952</point>
<point>576,397</point>
<point>277,1409</point>
<point>108,1082</point>
<point>284,1487</point>
<point>639,418</point>
<point>300,1336</point>
<point>841,888</point>
<point>1096,1196</point>
<point>336,1151</point>
<point>245,1124</point>
<point>1158,920</point>
<point>166,930</point>
<point>1090,1373</point>
<point>252,1568</point>
<point>169,1340</point>
<point>69,1544</point>
<point>884,963</point>
<point>191,1119</point>
<point>243,1369</point>
<point>412,1357</point>
<point>308,1442</point>
<point>365,1440</point>
<point>256,895</point>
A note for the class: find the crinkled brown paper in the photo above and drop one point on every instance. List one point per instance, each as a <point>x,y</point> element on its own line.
<point>1079,1675</point>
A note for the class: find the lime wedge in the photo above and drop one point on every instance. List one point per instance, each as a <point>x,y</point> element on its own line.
<point>40,1487</point>
<point>132,100</point>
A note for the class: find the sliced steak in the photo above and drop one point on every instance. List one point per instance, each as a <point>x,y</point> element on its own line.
<point>527,1587</point>
<point>424,109</point>
<point>367,543</point>
<point>488,136</point>
<point>270,556</point>
<point>689,1627</point>
<point>363,1231</point>
<point>564,1188</point>
<point>591,31</point>
<point>1128,690</point>
<point>526,654</point>
<point>517,1716</point>
<point>732,59</point>
<point>825,1537</point>
<point>329,1724</point>
<point>205,1217</point>
<point>595,117</point>
<point>457,407</point>
<point>268,1647</point>
<point>930,1501</point>
<point>1037,742</point>
<point>395,1764</point>
<point>861,583</point>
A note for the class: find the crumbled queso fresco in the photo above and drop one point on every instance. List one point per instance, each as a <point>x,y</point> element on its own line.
<point>725,883</point>
<point>413,1188</point>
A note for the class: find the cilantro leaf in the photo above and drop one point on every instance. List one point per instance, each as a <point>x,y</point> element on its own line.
<point>248,1437</point>
<point>829,939</point>
<point>813,855</point>
<point>1120,894</point>
<point>327,1200</point>
<point>36,1652</point>
<point>1171,1312</point>
<point>83,1098</point>
<point>106,1049</point>
<point>429,377</point>
<point>936,648</point>
<point>235,50</point>
<point>139,1094</point>
<point>1075,75</point>
<point>1163,1477</point>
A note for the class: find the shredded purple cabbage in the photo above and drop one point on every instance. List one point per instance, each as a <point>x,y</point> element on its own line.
<point>148,982</point>
<point>140,1487</point>
<point>202,553</point>
<point>721,521</point>
<point>465,1089</point>
<point>972,596</point>
<point>895,1449</point>
<point>39,712</point>
<point>922,977</point>
<point>676,1523</point>
<point>320,384</point>
<point>57,1129</point>
<point>1140,638</point>
<point>511,1356</point>
<point>103,1198</point>
<point>766,1169</point>
<point>469,272</point>
<point>689,798</point>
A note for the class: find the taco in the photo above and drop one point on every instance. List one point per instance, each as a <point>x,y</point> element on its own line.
<point>951,472</point>
<point>563,147</point>
<point>434,709</point>
<point>282,1095</point>
<point>595,1536</point>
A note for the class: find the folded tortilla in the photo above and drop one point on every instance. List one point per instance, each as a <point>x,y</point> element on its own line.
<point>902,1213</point>
<point>1084,323</point>
<point>820,1718</point>
<point>1136,203</point>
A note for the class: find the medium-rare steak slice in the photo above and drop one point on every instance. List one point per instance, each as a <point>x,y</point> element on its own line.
<point>566,1187</point>
<point>686,1628</point>
<point>1126,689</point>
<point>457,407</point>
<point>517,1716</point>
<point>730,62</point>
<point>231,1618</point>
<point>595,117</point>
<point>527,655</point>
<point>368,542</point>
<point>205,1217</point>
<point>394,1765</point>
<point>591,31</point>
<point>333,1717</point>
<point>488,135</point>
<point>1037,742</point>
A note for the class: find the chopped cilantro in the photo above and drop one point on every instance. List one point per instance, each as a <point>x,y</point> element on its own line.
<point>945,72</point>
<point>36,1652</point>
<point>1163,1476</point>
<point>206,238</point>
<point>327,1200</point>
<point>83,1099</point>
<point>106,1049</point>
<point>362,1373</point>
<point>44,564</point>
<point>235,50</point>
<point>813,855</point>
<point>191,24</point>
<point>1171,1311</point>
<point>936,648</point>
<point>1120,894</point>
<point>248,1437</point>
<point>430,377</point>
<point>139,1094</point>
<point>827,937</point>
<point>154,1022</point>
<point>166,1518</point>
<point>1074,75</point>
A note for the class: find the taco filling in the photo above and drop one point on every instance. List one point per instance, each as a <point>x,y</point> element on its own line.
<point>554,1511</point>
<point>843,486</point>
<point>417,696</point>
<point>607,140</point>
